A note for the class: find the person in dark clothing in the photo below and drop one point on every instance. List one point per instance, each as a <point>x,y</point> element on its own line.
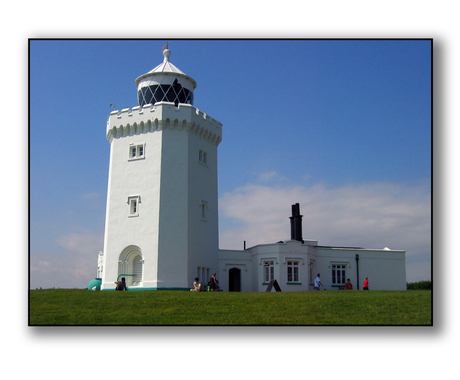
<point>213,283</point>
<point>121,285</point>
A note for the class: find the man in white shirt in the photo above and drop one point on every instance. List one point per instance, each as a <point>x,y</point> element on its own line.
<point>318,282</point>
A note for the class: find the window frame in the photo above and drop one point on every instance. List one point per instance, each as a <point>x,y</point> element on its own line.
<point>203,210</point>
<point>136,148</point>
<point>268,271</point>
<point>292,265</point>
<point>338,273</point>
<point>133,204</point>
<point>203,157</point>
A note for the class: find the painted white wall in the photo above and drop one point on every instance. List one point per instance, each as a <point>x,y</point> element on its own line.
<point>386,269</point>
<point>171,184</point>
<point>241,260</point>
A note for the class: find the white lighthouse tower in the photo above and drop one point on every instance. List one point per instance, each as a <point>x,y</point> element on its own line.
<point>161,228</point>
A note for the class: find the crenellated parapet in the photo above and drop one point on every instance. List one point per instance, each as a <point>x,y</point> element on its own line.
<point>163,116</point>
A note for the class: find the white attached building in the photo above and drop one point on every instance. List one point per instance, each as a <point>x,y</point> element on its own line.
<point>295,263</point>
<point>161,226</point>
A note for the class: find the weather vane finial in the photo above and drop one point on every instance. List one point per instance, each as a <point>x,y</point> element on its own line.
<point>166,46</point>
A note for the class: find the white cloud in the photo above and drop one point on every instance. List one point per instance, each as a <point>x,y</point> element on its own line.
<point>82,244</point>
<point>373,215</point>
<point>73,267</point>
<point>270,176</point>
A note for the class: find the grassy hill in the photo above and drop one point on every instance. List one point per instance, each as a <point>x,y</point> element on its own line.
<point>356,308</point>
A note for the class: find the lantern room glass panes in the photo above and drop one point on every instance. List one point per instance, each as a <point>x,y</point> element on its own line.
<point>174,93</point>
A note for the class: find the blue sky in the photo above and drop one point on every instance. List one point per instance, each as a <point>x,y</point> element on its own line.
<point>341,126</point>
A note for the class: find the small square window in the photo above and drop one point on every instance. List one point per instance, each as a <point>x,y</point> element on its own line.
<point>136,152</point>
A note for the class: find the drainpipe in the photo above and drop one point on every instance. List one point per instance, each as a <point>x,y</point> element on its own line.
<point>357,270</point>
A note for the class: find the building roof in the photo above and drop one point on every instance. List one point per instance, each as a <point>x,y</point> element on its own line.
<point>166,68</point>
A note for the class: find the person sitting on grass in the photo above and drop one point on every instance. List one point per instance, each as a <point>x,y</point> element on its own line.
<point>196,285</point>
<point>121,285</point>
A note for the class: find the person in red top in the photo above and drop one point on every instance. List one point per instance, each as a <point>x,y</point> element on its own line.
<point>366,284</point>
<point>348,285</point>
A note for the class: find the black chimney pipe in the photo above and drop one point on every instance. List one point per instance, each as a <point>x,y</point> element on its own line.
<point>296,223</point>
<point>293,235</point>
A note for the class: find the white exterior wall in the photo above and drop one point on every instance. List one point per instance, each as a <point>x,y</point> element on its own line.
<point>386,269</point>
<point>171,183</point>
<point>241,260</point>
<point>203,234</point>
<point>325,257</point>
<point>281,253</point>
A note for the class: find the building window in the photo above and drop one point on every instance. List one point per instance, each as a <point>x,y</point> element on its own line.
<point>338,274</point>
<point>203,210</point>
<point>269,271</point>
<point>136,151</point>
<point>133,203</point>
<point>293,271</point>
<point>203,157</point>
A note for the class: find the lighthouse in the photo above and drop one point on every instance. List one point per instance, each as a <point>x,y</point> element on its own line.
<point>161,227</point>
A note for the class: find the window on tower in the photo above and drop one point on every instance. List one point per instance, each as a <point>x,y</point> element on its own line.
<point>203,210</point>
<point>136,151</point>
<point>203,157</point>
<point>133,203</point>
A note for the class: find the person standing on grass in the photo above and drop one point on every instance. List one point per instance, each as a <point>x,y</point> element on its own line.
<point>213,283</point>
<point>366,284</point>
<point>318,282</point>
<point>348,285</point>
<point>121,285</point>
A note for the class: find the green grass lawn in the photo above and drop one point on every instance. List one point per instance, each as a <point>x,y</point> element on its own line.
<point>85,307</point>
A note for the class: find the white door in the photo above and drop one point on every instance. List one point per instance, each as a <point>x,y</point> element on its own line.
<point>137,270</point>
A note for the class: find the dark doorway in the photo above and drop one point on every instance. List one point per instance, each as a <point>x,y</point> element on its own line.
<point>234,280</point>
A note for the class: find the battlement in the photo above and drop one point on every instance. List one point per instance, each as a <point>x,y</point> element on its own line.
<point>163,116</point>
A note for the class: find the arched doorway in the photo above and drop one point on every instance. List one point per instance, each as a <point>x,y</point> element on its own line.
<point>234,280</point>
<point>130,265</point>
